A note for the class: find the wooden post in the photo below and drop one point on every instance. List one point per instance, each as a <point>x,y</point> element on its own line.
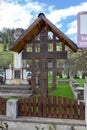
<point>85,99</point>
<point>44,62</point>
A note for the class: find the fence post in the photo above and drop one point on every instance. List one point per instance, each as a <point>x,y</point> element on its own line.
<point>85,100</point>
<point>12,108</point>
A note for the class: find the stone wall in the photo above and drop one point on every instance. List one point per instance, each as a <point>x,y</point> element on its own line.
<point>77,90</point>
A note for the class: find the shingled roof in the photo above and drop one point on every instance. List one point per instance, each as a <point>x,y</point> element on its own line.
<point>34,29</point>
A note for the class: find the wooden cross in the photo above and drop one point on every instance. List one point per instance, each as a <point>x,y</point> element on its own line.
<point>44,55</point>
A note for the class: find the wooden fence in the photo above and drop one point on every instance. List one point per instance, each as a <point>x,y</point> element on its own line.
<point>51,106</point>
<point>3,106</point>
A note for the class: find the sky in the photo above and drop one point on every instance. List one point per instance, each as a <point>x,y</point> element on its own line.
<point>63,13</point>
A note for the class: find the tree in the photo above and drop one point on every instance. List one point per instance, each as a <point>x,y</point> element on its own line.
<point>76,62</point>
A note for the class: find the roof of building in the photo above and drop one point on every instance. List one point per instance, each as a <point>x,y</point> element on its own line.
<point>34,29</point>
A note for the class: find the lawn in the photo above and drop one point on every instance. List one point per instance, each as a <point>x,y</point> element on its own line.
<point>63,90</point>
<point>80,81</point>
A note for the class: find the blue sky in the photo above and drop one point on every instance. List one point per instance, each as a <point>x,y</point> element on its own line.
<point>63,13</point>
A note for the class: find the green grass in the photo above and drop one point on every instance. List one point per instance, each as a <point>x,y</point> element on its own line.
<point>63,90</point>
<point>6,58</point>
<point>1,46</point>
<point>81,82</point>
<point>63,79</point>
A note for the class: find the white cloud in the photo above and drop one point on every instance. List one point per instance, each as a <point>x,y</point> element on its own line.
<point>34,6</point>
<point>13,14</point>
<point>59,15</point>
<point>72,28</point>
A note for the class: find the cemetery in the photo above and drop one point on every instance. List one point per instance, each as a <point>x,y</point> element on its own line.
<point>31,105</point>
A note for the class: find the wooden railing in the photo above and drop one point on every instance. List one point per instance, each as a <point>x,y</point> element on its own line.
<point>51,106</point>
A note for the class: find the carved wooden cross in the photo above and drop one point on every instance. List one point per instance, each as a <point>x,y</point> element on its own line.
<point>44,55</point>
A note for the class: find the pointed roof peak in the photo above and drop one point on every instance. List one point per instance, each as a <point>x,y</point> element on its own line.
<point>41,14</point>
<point>34,29</point>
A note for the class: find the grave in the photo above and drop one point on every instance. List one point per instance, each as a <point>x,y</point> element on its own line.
<point>80,93</point>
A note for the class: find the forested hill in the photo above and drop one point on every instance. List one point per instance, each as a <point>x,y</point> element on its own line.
<point>6,57</point>
<point>7,36</point>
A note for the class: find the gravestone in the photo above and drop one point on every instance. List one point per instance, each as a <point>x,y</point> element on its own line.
<point>17,68</point>
<point>9,75</point>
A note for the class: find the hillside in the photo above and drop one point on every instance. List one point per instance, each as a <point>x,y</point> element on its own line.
<point>6,58</point>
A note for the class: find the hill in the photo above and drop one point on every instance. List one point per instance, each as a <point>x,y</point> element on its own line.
<point>6,58</point>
